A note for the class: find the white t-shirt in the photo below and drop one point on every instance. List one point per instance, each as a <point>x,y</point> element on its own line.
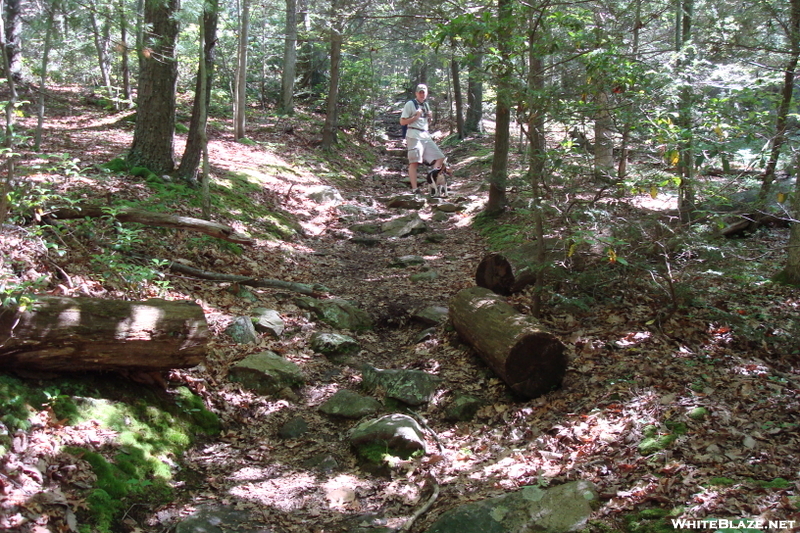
<point>419,128</point>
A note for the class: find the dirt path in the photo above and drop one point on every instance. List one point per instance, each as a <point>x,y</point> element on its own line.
<point>279,481</point>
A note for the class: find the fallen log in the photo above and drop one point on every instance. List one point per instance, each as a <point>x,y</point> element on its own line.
<point>509,271</point>
<point>162,220</point>
<point>529,359</point>
<point>302,288</point>
<point>93,334</point>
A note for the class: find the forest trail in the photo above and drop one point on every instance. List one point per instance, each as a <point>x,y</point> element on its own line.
<point>694,416</point>
<point>273,473</point>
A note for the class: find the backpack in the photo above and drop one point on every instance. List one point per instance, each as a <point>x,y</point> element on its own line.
<point>425,110</point>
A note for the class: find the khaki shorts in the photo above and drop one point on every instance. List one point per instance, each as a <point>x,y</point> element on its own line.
<point>423,151</point>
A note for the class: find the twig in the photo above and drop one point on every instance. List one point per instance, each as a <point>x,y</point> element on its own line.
<point>424,509</point>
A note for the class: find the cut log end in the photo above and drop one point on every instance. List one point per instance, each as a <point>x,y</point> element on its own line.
<point>495,273</point>
<point>536,365</point>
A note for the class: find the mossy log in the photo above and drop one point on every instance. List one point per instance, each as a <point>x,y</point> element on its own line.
<point>509,271</point>
<point>528,358</point>
<point>93,334</point>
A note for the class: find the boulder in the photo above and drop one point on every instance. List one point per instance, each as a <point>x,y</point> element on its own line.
<point>559,509</point>
<point>266,373</point>
<point>349,404</point>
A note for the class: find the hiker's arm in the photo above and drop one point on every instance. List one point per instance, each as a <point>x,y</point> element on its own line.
<point>413,118</point>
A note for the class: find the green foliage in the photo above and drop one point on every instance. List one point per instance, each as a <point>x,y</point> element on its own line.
<point>652,520</point>
<point>698,413</point>
<point>656,440</point>
<point>380,454</point>
<point>501,233</point>
<point>117,165</point>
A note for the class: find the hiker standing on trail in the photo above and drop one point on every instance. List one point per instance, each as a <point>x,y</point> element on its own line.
<point>421,148</point>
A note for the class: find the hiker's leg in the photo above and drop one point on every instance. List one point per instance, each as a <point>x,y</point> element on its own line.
<point>412,174</point>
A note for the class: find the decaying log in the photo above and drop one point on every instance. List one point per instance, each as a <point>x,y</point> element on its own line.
<point>521,352</point>
<point>510,271</point>
<point>302,288</point>
<point>162,220</point>
<point>92,334</point>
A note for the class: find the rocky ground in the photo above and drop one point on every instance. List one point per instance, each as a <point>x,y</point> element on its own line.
<point>722,410</point>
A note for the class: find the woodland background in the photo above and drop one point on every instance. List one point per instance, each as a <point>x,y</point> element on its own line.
<point>649,147</point>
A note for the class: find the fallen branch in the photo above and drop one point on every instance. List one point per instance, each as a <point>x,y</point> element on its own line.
<point>302,288</point>
<point>424,509</point>
<point>162,220</point>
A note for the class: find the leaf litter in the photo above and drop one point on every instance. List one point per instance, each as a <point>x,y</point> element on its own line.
<point>714,386</point>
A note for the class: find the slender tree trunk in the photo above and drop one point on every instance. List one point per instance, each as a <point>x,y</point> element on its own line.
<point>240,111</point>
<point>781,121</point>
<point>332,114</point>
<point>48,37</point>
<point>332,117</point>
<point>627,123</point>
<point>791,273</point>
<point>9,158</point>
<point>458,98</point>
<point>125,56</point>
<point>686,195</point>
<point>603,135</point>
<point>153,137</point>
<point>502,138</point>
<point>538,164</point>
<point>195,144</point>
<point>201,99</point>
<point>289,59</point>
<point>472,123</point>
<point>102,38</point>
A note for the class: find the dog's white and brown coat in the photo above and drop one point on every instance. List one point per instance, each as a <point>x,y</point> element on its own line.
<point>437,179</point>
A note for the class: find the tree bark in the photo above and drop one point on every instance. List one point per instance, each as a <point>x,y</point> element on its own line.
<point>93,334</point>
<point>240,103</point>
<point>499,175</point>
<point>472,123</point>
<point>787,93</point>
<point>331,126</point>
<point>458,98</point>
<point>162,220</point>
<point>153,138</point>
<point>289,59</point>
<point>195,143</point>
<point>13,40</point>
<point>515,346</point>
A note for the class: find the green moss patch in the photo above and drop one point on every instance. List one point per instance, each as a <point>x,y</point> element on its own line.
<point>152,430</point>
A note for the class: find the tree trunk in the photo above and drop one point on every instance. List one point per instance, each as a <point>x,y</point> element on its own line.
<point>13,42</point>
<point>48,38</point>
<point>502,136</point>
<point>472,122</point>
<point>603,135</point>
<point>791,272</point>
<point>289,59</point>
<point>781,122</point>
<point>153,137</point>
<point>683,32</point>
<point>124,58</point>
<point>521,352</point>
<point>93,334</point>
<point>458,98</point>
<point>102,38</point>
<point>332,114</point>
<point>202,94</point>
<point>240,102</point>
